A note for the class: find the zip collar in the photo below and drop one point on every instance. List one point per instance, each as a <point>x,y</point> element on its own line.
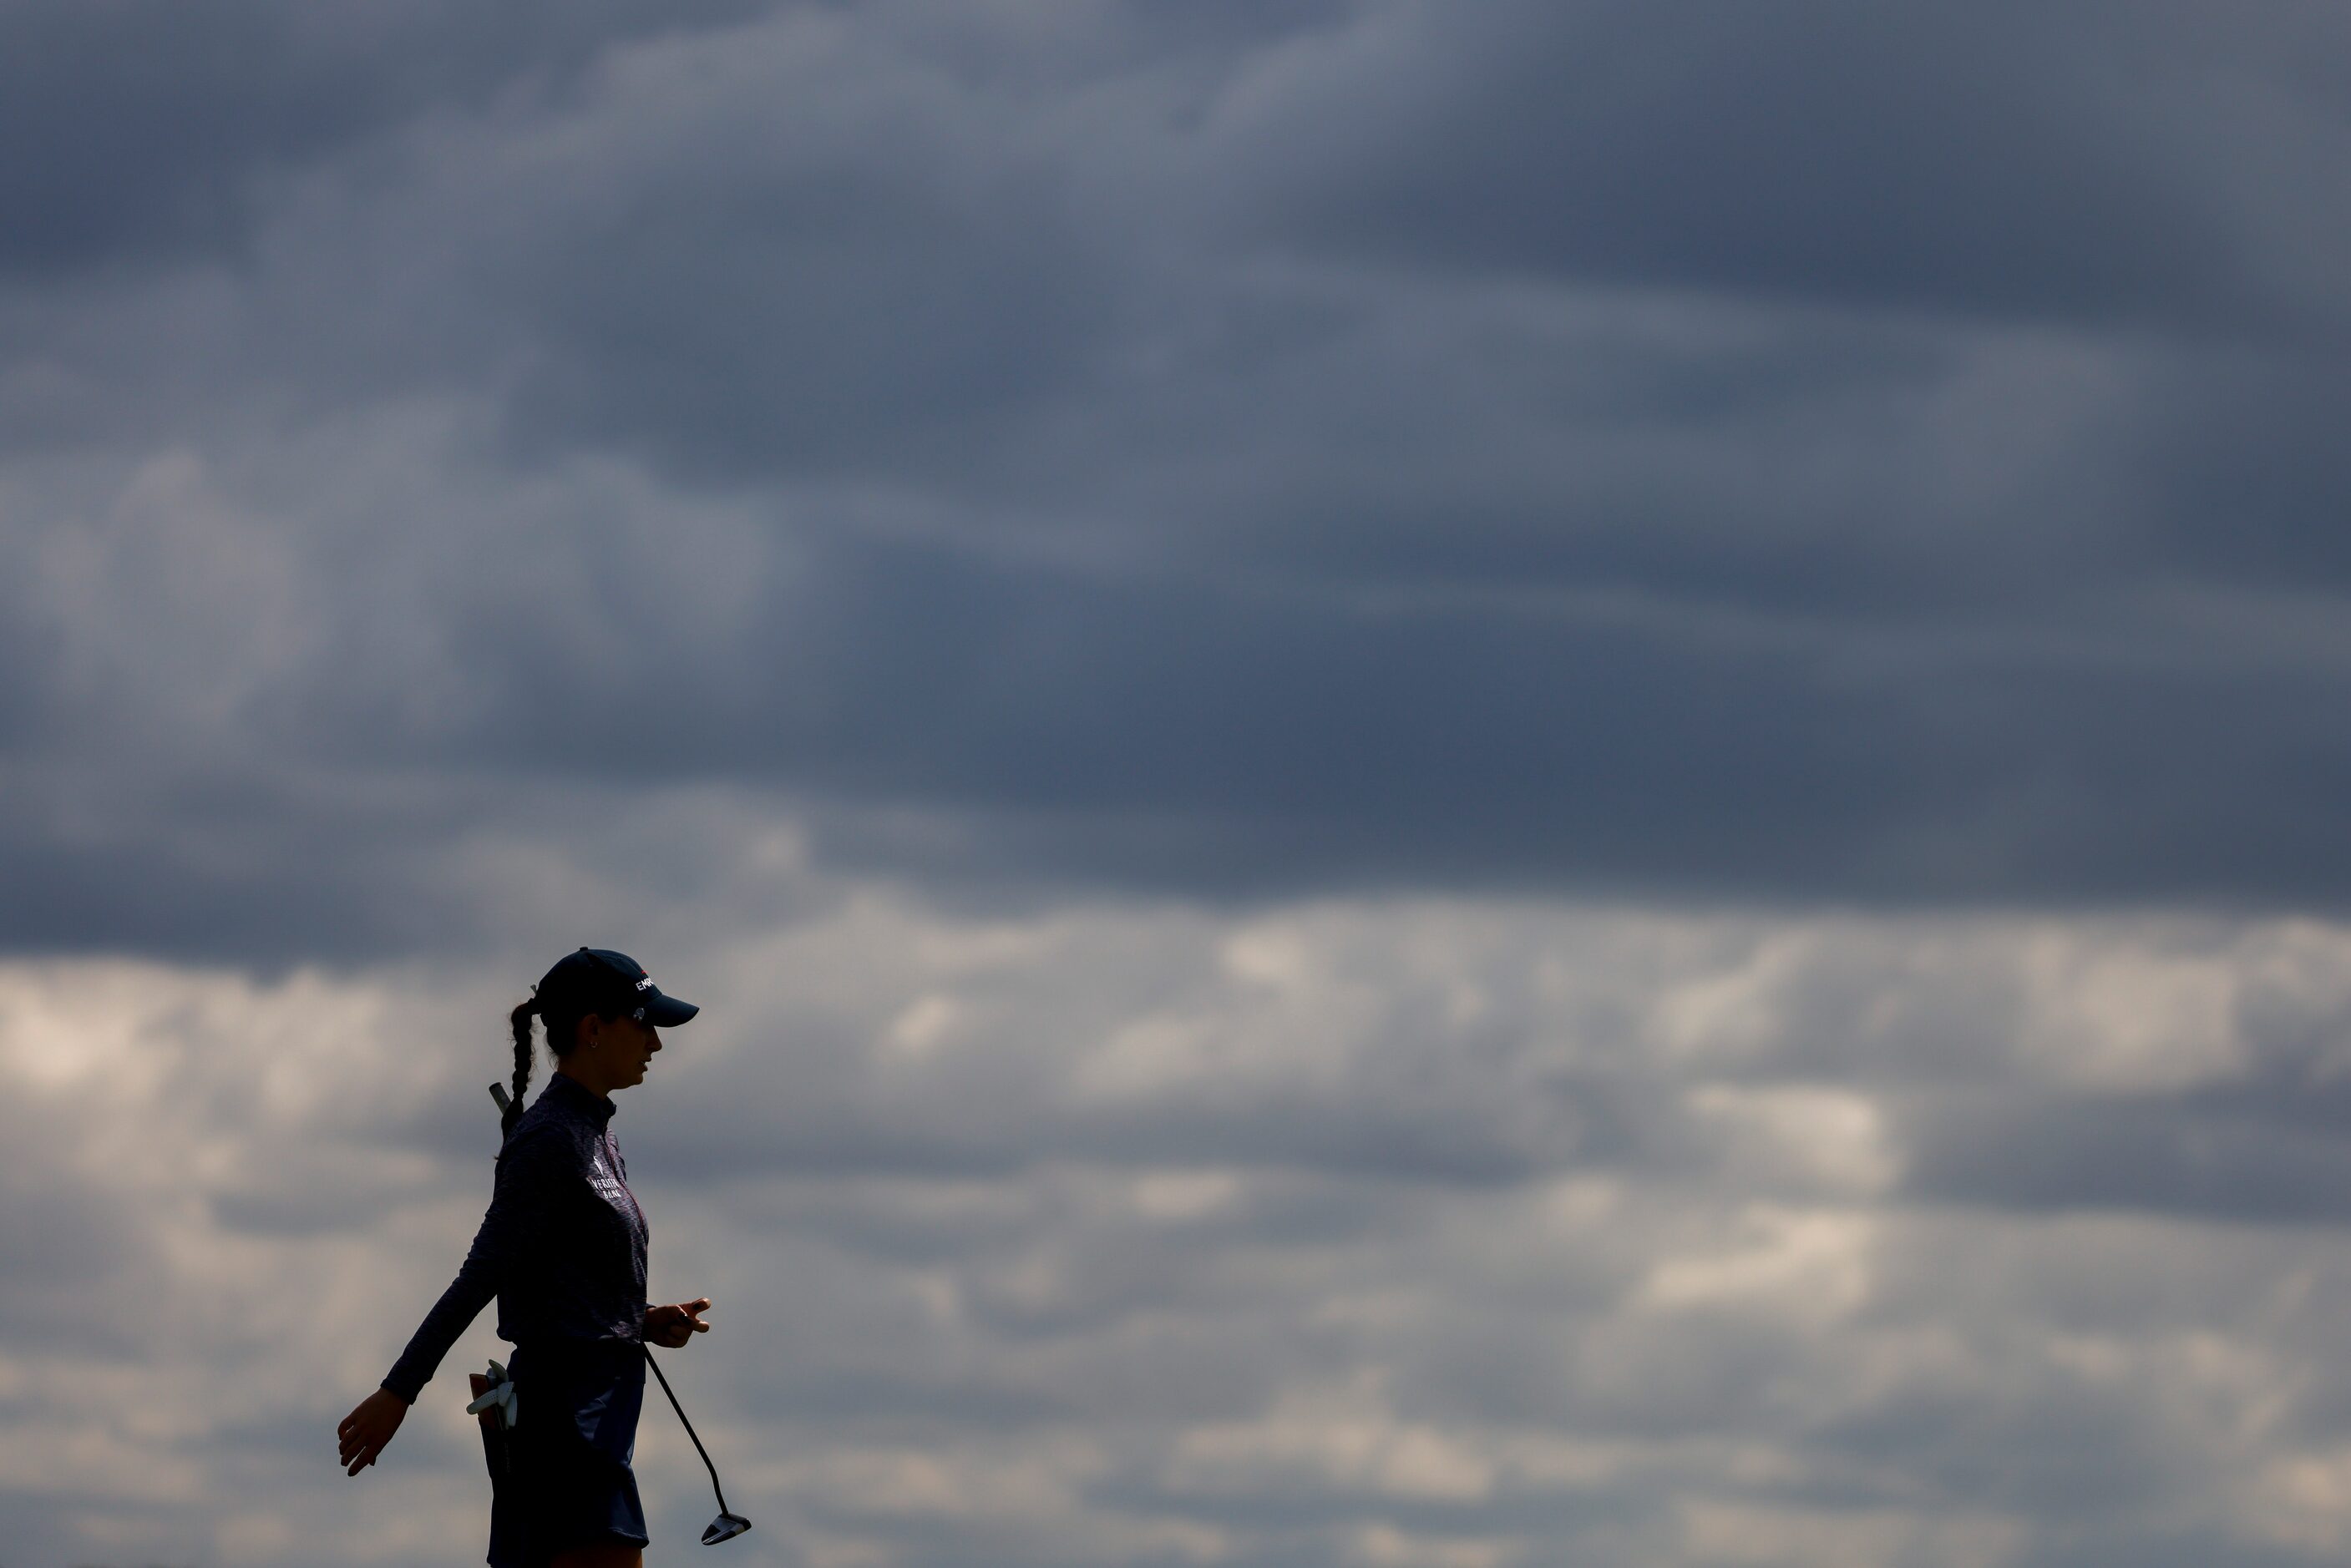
<point>577,1096</point>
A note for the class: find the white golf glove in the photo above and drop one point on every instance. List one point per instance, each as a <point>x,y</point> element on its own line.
<point>501,1394</point>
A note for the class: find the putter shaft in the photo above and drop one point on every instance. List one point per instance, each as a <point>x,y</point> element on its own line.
<point>689,1426</point>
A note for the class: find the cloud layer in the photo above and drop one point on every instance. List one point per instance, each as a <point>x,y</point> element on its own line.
<point>1484,785</point>
<point>1422,1231</point>
<point>1246,451</point>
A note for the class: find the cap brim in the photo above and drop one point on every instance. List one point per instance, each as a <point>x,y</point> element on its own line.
<point>667,1012</point>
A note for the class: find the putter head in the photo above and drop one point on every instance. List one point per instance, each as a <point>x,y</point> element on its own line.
<point>726,1527</point>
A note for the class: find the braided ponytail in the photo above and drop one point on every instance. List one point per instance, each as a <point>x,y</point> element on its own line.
<point>519,1021</point>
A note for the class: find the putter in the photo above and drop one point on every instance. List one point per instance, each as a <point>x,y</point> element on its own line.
<point>728,1525</point>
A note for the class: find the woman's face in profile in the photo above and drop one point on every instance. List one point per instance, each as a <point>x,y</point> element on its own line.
<point>623,1048</point>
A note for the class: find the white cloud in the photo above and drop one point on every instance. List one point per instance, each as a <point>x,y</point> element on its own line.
<point>959,1300</point>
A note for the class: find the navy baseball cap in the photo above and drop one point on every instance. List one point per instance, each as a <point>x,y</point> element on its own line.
<point>609,984</point>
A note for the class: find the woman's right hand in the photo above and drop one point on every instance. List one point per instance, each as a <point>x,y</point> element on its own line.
<point>368,1428</point>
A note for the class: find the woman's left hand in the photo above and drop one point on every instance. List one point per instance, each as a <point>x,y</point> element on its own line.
<point>673,1326</point>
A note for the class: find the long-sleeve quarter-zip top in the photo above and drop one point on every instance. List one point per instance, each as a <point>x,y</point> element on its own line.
<point>562,1245</point>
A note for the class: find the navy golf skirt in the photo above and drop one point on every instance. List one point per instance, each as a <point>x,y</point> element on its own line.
<point>568,1483</point>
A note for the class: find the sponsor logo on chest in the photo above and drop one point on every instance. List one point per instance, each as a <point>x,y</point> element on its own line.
<point>608,1185</point>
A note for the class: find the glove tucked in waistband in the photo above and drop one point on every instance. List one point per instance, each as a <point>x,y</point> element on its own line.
<point>501,1396</point>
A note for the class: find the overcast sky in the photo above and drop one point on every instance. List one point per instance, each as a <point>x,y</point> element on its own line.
<point>1475,782</point>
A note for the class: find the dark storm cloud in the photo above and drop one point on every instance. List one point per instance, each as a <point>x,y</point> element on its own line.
<point>1180,730</point>
<point>2238,474</point>
<point>1328,446</point>
<point>2004,161</point>
<point>139,130</point>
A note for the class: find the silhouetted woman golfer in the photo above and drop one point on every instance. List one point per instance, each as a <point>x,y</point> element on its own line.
<point>563,1249</point>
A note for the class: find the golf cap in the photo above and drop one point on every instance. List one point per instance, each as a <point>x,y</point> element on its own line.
<point>600,981</point>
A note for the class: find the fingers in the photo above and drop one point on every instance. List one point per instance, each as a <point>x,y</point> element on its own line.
<point>358,1440</point>
<point>672,1325</point>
